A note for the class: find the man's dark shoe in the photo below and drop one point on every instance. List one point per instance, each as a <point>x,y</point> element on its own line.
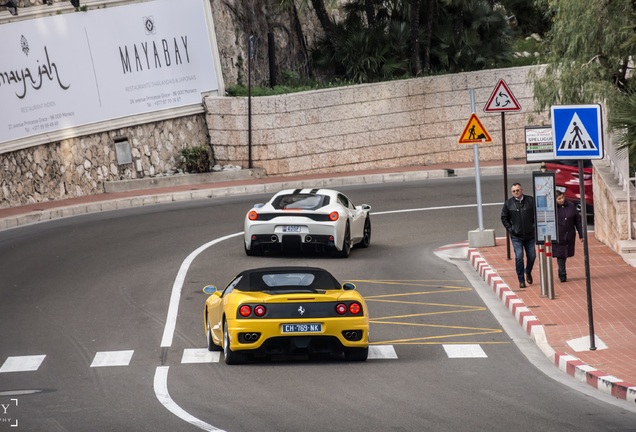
<point>563,278</point>
<point>529,278</point>
<point>522,284</point>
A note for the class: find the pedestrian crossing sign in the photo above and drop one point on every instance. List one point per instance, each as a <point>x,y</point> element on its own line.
<point>577,131</point>
<point>474,132</point>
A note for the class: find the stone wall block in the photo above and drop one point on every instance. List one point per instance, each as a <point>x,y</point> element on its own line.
<point>413,121</point>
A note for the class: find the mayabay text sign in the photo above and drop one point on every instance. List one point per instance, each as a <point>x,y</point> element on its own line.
<point>577,131</point>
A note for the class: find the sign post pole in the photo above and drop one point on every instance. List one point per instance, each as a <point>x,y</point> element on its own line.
<point>586,257</point>
<point>505,174</point>
<point>502,100</point>
<point>577,131</point>
<point>475,133</point>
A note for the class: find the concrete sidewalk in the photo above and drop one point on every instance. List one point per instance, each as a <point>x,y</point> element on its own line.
<point>560,326</point>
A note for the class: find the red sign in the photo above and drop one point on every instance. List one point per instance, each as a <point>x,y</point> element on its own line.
<point>502,100</point>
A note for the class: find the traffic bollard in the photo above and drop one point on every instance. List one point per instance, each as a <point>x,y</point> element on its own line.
<point>542,269</point>
<point>548,257</point>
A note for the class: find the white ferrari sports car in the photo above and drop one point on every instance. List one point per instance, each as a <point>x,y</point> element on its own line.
<point>313,219</point>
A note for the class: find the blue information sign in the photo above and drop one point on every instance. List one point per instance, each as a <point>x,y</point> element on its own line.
<point>577,131</point>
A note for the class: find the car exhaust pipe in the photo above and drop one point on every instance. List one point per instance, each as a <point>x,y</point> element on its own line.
<point>351,335</point>
<point>307,239</point>
<point>274,239</point>
<point>249,337</point>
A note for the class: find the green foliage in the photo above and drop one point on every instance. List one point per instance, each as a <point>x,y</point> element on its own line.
<point>623,121</point>
<point>587,53</point>
<point>292,83</point>
<point>373,44</point>
<point>525,52</point>
<point>470,35</point>
<point>583,53</point>
<point>196,159</point>
<point>361,53</point>
<point>529,17</point>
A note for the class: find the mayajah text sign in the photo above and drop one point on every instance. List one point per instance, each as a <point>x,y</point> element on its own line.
<point>80,68</point>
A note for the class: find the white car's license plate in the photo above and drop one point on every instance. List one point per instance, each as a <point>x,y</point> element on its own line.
<point>302,328</point>
<point>291,228</point>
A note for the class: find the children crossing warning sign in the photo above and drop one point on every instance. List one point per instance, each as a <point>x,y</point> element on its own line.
<point>474,132</point>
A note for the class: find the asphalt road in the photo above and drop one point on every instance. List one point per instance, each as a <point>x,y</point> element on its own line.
<point>89,299</point>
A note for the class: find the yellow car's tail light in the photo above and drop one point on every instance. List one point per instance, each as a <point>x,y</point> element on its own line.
<point>252,215</point>
<point>355,308</point>
<point>245,310</point>
<point>259,310</point>
<point>333,216</point>
<point>341,308</point>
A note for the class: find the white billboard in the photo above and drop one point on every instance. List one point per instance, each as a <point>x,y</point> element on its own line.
<point>75,69</point>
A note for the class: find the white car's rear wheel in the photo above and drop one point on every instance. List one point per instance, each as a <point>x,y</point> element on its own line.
<point>346,244</point>
<point>254,251</point>
<point>366,234</point>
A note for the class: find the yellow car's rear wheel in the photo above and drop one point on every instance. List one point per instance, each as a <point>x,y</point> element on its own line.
<point>231,357</point>
<point>211,345</point>
<point>356,354</point>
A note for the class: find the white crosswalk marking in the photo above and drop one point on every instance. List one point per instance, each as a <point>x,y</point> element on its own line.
<point>200,355</point>
<point>382,352</point>
<point>464,351</point>
<point>203,355</point>
<point>22,363</point>
<point>112,358</point>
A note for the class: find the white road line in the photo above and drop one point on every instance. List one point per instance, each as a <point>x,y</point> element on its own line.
<point>382,352</point>
<point>22,363</point>
<point>161,390</point>
<point>464,351</point>
<point>171,320</point>
<point>200,355</point>
<point>433,208</point>
<point>112,358</point>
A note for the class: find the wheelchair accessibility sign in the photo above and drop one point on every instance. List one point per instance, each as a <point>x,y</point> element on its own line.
<point>577,131</point>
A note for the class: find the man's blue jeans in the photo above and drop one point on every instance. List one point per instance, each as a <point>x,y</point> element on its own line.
<point>519,246</point>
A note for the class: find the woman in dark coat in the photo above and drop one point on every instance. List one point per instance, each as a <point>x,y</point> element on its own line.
<point>569,222</point>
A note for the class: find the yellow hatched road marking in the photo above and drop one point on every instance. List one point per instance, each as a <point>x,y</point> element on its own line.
<point>408,298</point>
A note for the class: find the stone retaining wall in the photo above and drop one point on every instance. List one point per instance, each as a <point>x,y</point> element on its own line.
<point>399,123</point>
<point>611,225</point>
<point>80,166</point>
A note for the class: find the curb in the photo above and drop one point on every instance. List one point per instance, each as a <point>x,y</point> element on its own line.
<point>108,202</point>
<point>567,363</point>
<point>258,183</point>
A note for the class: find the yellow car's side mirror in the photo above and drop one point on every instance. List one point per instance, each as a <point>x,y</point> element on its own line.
<point>210,289</point>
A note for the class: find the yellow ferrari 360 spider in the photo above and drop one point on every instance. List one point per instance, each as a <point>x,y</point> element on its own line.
<point>286,310</point>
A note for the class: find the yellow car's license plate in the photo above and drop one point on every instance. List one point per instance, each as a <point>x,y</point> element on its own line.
<point>302,328</point>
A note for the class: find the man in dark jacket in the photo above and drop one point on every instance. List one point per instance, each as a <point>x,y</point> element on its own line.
<point>569,223</point>
<point>517,216</point>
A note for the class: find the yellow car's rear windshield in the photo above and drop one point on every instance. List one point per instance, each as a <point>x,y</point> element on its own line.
<point>266,280</point>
